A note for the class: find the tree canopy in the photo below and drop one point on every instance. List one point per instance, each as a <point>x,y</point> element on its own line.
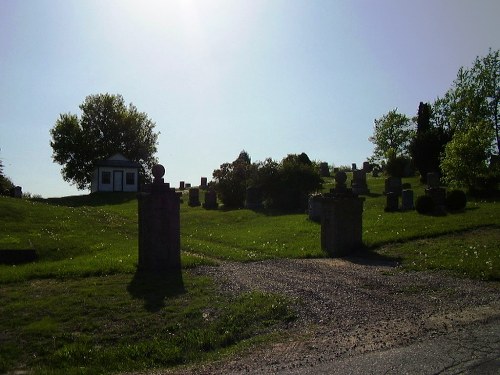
<point>392,135</point>
<point>106,126</point>
<point>470,109</point>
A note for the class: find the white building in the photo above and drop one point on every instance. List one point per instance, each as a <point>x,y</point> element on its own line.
<point>116,173</point>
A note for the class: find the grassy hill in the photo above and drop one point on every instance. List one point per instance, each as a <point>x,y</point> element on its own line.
<point>80,308</point>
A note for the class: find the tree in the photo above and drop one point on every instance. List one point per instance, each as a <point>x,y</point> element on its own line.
<point>474,98</point>
<point>469,111</point>
<point>232,179</point>
<point>5,183</point>
<point>428,143</point>
<point>107,126</point>
<point>392,135</point>
<point>466,156</point>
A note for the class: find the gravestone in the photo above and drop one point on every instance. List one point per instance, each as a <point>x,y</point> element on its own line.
<point>391,202</point>
<point>335,171</point>
<point>393,185</point>
<point>187,185</point>
<point>210,200</point>
<point>159,227</point>
<point>367,167</point>
<point>181,185</point>
<point>354,166</point>
<point>314,207</point>
<point>324,171</point>
<point>253,198</point>
<point>203,184</point>
<point>16,192</point>
<point>433,180</point>
<point>407,200</point>
<point>341,219</point>
<point>194,197</point>
<point>358,184</point>
<point>438,195</point>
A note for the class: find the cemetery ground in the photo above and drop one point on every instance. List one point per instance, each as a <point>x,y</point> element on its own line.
<point>252,280</point>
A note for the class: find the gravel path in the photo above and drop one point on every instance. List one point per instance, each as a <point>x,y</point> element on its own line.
<point>350,308</point>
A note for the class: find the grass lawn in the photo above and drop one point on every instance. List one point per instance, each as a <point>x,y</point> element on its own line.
<point>81,309</point>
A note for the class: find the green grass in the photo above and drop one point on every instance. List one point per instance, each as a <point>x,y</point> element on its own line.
<point>82,309</point>
<point>98,325</point>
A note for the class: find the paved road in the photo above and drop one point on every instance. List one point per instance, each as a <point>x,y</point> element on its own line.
<point>473,350</point>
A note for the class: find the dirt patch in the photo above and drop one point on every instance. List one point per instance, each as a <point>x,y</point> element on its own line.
<point>346,307</point>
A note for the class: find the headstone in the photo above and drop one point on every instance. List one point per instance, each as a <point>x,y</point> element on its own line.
<point>335,171</point>
<point>392,202</point>
<point>181,185</point>
<point>324,171</point>
<point>358,184</point>
<point>393,185</point>
<point>438,195</point>
<point>433,180</point>
<point>367,167</point>
<point>407,200</point>
<point>341,220</point>
<point>314,207</point>
<point>159,227</point>
<point>253,198</point>
<point>203,184</point>
<point>210,200</point>
<point>187,185</point>
<point>17,192</point>
<point>354,167</point>
<point>194,197</point>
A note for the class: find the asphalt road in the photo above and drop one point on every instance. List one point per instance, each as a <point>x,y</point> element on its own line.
<point>472,350</point>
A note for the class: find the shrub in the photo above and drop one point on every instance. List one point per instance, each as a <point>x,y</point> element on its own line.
<point>424,205</point>
<point>455,200</point>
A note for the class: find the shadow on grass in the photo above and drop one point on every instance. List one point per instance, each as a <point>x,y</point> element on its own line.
<point>93,200</point>
<point>367,256</point>
<point>154,288</point>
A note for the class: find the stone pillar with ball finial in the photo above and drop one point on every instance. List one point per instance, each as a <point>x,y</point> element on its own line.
<point>341,219</point>
<point>159,227</point>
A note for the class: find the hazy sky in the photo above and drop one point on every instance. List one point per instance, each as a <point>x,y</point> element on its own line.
<point>270,77</point>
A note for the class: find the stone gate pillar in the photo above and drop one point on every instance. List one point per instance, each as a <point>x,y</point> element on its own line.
<point>159,227</point>
<point>341,220</point>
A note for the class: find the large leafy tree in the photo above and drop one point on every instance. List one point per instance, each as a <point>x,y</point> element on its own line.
<point>392,135</point>
<point>232,179</point>
<point>474,99</point>
<point>470,110</point>
<point>466,155</point>
<point>106,126</point>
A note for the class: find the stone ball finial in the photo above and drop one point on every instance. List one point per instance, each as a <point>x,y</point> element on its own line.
<point>341,177</point>
<point>158,172</point>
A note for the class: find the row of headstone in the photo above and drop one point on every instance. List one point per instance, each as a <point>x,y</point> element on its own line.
<point>203,184</point>
<point>210,199</point>
<point>394,188</point>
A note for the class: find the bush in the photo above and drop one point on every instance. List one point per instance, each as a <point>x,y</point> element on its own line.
<point>456,200</point>
<point>424,205</point>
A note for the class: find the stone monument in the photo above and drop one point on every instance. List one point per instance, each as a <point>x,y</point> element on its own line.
<point>210,200</point>
<point>359,184</point>
<point>194,197</point>
<point>341,219</point>
<point>159,227</point>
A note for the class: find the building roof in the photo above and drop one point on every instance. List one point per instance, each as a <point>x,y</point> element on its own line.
<point>118,160</point>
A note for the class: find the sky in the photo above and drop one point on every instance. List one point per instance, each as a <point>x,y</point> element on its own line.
<point>217,77</point>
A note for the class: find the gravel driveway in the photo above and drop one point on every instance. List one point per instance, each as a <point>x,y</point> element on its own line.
<point>349,308</point>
